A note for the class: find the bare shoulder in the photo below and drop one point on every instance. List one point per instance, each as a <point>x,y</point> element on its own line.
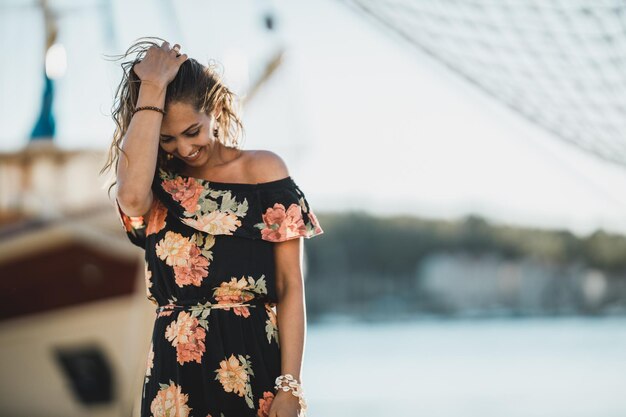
<point>265,166</point>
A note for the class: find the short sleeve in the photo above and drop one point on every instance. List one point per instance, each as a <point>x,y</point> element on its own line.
<point>134,226</point>
<point>286,214</point>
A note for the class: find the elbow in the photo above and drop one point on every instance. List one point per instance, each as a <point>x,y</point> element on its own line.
<point>133,203</point>
<point>288,286</point>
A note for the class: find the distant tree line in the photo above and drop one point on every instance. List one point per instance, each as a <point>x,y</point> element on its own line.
<point>362,257</point>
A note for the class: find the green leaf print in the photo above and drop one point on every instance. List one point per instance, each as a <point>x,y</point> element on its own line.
<point>208,205</point>
<point>247,366</point>
<point>207,254</point>
<point>260,287</point>
<point>271,331</point>
<point>204,243</point>
<point>228,203</point>
<point>242,209</point>
<point>209,241</point>
<point>214,193</point>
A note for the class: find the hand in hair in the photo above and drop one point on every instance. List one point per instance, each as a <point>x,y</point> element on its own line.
<point>159,66</point>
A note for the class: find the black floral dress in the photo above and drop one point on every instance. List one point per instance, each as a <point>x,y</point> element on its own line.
<point>210,272</point>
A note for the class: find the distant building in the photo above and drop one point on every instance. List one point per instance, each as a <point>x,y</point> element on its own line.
<point>466,284</point>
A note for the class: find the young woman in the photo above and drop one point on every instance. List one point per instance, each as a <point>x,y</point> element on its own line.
<point>221,228</point>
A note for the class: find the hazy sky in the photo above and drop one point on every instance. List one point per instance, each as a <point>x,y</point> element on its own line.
<point>364,121</point>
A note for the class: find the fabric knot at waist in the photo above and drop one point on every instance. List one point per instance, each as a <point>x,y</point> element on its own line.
<point>199,306</point>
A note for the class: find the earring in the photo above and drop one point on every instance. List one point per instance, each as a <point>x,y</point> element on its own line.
<point>215,133</point>
<point>169,156</point>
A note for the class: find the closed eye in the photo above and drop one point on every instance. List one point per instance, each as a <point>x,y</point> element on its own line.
<point>166,139</point>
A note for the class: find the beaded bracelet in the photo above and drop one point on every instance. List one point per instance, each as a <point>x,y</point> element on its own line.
<point>149,108</point>
<point>295,388</point>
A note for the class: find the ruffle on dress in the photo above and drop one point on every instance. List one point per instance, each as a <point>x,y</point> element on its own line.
<point>274,211</point>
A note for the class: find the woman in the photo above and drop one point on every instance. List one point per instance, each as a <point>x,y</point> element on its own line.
<point>221,230</point>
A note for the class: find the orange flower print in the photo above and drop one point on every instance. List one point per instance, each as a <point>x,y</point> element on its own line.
<point>216,223</point>
<point>271,326</point>
<point>234,375</point>
<point>156,219</point>
<point>188,337</point>
<point>190,262</point>
<point>281,224</point>
<point>148,280</point>
<point>170,402</point>
<point>316,224</point>
<point>239,291</point>
<point>234,292</point>
<point>185,191</point>
<point>174,249</point>
<point>194,271</point>
<point>264,404</point>
<point>129,222</point>
<point>165,313</point>
<point>135,222</point>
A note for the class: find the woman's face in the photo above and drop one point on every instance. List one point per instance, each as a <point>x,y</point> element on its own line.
<point>187,134</point>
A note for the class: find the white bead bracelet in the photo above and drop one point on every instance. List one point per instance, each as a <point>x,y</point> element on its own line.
<point>296,389</point>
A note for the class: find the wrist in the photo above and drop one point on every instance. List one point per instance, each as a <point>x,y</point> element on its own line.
<point>153,85</point>
<point>287,382</point>
<point>151,94</point>
<point>289,385</point>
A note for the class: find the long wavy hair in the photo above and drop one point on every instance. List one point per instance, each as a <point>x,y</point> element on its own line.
<point>195,84</point>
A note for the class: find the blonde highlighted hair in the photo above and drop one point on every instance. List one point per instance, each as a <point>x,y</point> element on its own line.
<point>195,84</point>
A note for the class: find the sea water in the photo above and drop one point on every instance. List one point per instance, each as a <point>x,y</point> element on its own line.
<point>539,367</point>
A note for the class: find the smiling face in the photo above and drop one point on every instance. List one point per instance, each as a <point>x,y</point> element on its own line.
<point>188,134</point>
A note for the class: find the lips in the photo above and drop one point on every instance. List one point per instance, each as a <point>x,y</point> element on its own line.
<point>192,156</point>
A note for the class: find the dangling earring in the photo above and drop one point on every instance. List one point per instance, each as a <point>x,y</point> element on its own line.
<point>215,133</point>
<point>169,156</point>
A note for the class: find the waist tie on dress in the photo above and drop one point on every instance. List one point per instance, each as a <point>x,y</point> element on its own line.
<point>206,306</point>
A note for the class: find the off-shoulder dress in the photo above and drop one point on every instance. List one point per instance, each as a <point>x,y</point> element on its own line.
<point>210,272</point>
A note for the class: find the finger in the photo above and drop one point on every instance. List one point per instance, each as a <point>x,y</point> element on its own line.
<point>182,57</point>
<point>165,45</point>
<point>176,50</point>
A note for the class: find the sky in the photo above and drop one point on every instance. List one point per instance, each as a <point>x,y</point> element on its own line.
<point>363,120</point>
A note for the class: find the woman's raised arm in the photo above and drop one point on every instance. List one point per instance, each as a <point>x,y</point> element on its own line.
<point>141,142</point>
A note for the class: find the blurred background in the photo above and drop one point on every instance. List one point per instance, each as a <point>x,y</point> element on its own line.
<point>467,161</point>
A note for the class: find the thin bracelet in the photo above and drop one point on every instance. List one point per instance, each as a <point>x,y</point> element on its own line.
<point>149,108</point>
